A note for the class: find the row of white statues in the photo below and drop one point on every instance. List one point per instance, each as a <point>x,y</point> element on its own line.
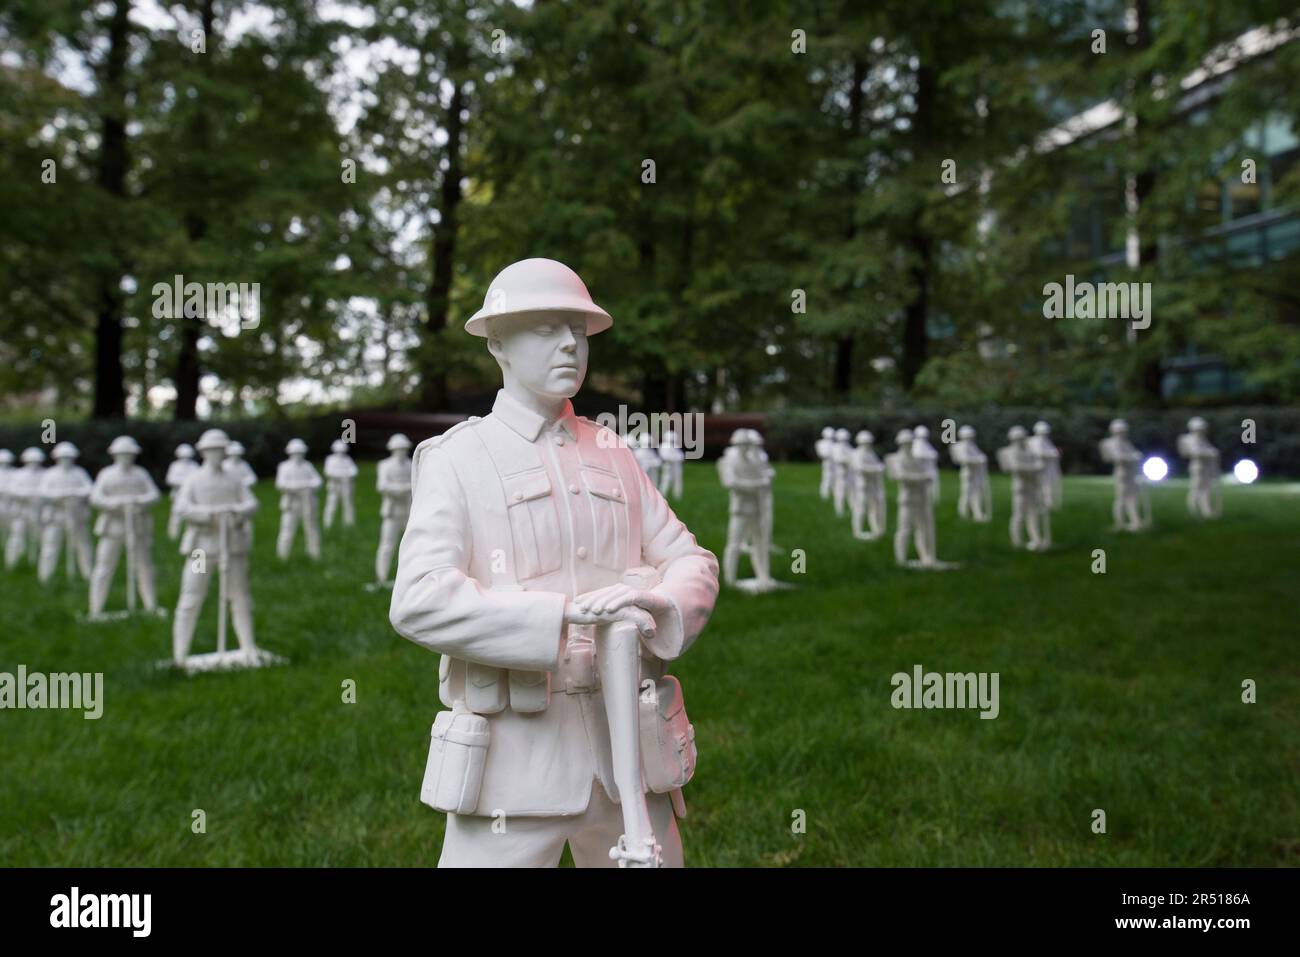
<point>45,511</point>
<point>662,464</point>
<point>853,478</point>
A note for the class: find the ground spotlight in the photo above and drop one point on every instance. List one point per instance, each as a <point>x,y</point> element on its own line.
<point>1245,471</point>
<point>1155,469</point>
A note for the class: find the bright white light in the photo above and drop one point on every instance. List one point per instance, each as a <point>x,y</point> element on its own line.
<point>1155,469</point>
<point>1245,471</point>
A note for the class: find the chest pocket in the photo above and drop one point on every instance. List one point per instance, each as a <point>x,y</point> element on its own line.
<point>609,518</point>
<point>534,523</point>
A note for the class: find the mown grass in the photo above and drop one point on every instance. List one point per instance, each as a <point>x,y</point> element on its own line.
<point>1119,691</point>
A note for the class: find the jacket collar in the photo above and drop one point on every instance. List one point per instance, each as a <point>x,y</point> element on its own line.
<point>527,422</point>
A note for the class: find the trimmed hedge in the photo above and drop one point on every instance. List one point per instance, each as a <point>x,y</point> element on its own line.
<point>791,433</point>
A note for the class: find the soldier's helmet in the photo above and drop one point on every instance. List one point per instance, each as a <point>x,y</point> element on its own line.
<point>32,456</point>
<point>233,449</point>
<point>185,451</point>
<point>216,439</point>
<point>1118,427</point>
<point>1016,433</point>
<point>828,433</point>
<point>904,438</point>
<point>740,437</point>
<point>296,447</point>
<point>864,438</point>
<point>338,446</point>
<point>398,441</point>
<point>533,286</point>
<point>1196,424</point>
<point>841,435</point>
<point>966,432</point>
<point>921,432</point>
<point>643,440</point>
<point>6,457</point>
<point>755,437</point>
<point>1042,428</point>
<point>124,445</point>
<point>64,450</point>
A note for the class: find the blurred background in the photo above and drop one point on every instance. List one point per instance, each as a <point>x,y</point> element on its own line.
<point>788,208</point>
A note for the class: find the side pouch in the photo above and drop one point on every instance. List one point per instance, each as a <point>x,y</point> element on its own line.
<point>667,738</point>
<point>530,691</point>
<point>458,747</point>
<point>485,688</point>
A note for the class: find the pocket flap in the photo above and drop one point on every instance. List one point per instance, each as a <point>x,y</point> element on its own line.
<point>603,484</point>
<point>527,486</point>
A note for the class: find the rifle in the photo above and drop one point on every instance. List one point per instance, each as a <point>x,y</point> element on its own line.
<point>129,514</point>
<point>67,535</point>
<point>618,657</point>
<point>223,541</point>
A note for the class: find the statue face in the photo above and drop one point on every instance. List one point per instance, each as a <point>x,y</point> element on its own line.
<point>124,459</point>
<point>545,353</point>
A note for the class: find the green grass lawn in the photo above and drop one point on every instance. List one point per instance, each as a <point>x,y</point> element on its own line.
<point>1119,691</point>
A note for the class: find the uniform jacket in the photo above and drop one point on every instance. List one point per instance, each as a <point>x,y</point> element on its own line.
<point>512,516</point>
<point>114,483</point>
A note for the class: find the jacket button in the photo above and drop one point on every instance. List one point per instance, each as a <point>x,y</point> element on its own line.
<point>582,551</point>
<point>559,440</point>
<point>519,496</point>
<point>573,488</point>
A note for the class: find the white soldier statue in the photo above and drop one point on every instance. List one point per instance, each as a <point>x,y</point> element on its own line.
<point>975,500</point>
<point>867,490</point>
<point>765,497</point>
<point>1040,443</point>
<point>393,479</point>
<point>65,490</point>
<point>929,456</point>
<point>25,506</point>
<point>672,457</point>
<point>555,581</point>
<point>915,505</point>
<point>340,480</point>
<point>124,494</point>
<point>825,448</point>
<point>6,505</point>
<point>1131,510</point>
<point>181,468</point>
<point>1029,515</point>
<point>238,467</point>
<point>747,477</point>
<point>297,480</point>
<point>841,459</point>
<point>216,507</point>
<point>1203,468</point>
<point>647,456</point>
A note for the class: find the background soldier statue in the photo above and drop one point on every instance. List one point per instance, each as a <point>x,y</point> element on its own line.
<point>552,576</point>
<point>25,507</point>
<point>841,459</point>
<point>867,491</point>
<point>1203,467</point>
<point>975,499</point>
<point>6,504</point>
<point>340,475</point>
<point>748,479</point>
<point>239,468</point>
<point>297,481</point>
<point>1131,511</point>
<point>1040,443</point>
<point>670,472</point>
<point>1027,509</point>
<point>216,507</point>
<point>826,452</point>
<point>393,479</point>
<point>181,468</point>
<point>647,456</point>
<point>65,488</point>
<point>915,507</point>
<point>124,493</point>
<point>928,456</point>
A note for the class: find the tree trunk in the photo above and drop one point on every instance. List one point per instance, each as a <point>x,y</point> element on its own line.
<point>916,343</point>
<point>110,380</point>
<point>433,393</point>
<point>842,381</point>
<point>188,370</point>
<point>1148,381</point>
